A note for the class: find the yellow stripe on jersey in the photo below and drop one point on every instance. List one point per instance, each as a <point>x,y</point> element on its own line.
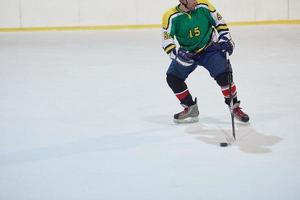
<point>222,27</point>
<point>167,16</point>
<point>210,7</point>
<point>169,48</point>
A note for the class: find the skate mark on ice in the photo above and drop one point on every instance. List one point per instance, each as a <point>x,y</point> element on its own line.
<point>212,131</point>
<point>159,119</point>
<point>107,143</point>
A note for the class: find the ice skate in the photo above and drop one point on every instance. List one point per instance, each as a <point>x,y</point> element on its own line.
<point>188,115</point>
<point>239,114</point>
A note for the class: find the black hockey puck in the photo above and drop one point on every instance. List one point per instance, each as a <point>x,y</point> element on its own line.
<point>223,144</point>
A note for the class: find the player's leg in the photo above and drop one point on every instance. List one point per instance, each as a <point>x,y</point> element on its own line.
<point>215,62</point>
<point>223,82</point>
<point>176,76</point>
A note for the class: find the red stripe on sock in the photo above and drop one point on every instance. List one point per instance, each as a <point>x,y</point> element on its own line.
<point>225,90</point>
<point>182,95</point>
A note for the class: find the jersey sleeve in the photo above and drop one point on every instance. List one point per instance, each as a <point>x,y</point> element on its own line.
<point>167,31</point>
<point>217,19</point>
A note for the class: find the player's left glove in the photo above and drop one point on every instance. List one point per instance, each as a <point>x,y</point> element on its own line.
<point>226,44</point>
<point>184,57</point>
<point>173,54</point>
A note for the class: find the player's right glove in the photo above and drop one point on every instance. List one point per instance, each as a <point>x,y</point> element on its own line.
<point>182,56</point>
<point>226,44</point>
<point>173,54</point>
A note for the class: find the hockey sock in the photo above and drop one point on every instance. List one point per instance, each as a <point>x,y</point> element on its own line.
<point>185,98</point>
<point>180,90</point>
<point>223,82</point>
<point>226,94</point>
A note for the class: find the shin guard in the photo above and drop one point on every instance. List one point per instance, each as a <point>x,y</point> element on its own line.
<point>180,90</point>
<point>226,94</point>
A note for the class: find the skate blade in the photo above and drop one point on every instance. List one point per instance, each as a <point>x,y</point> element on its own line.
<point>242,123</point>
<point>187,120</point>
<point>239,121</point>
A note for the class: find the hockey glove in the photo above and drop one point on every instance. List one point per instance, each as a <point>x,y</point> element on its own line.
<point>173,54</point>
<point>226,44</point>
<point>184,57</point>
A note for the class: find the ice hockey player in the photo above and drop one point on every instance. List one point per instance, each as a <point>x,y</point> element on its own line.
<point>203,38</point>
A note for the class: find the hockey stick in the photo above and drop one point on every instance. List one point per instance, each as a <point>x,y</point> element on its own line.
<point>230,105</point>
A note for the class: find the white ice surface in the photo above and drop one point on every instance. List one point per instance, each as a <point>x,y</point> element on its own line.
<point>88,116</point>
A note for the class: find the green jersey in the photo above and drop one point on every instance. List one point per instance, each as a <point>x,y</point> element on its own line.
<point>193,30</point>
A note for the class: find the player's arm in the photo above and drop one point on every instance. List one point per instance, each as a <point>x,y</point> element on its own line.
<point>216,18</point>
<point>181,56</point>
<point>168,42</point>
<point>220,25</point>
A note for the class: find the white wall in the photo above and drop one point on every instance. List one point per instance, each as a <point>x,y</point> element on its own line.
<point>294,9</point>
<point>271,10</point>
<point>49,12</point>
<point>9,13</point>
<point>43,13</point>
<point>241,10</point>
<point>99,12</point>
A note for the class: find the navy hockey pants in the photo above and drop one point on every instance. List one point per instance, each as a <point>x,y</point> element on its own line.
<point>212,58</point>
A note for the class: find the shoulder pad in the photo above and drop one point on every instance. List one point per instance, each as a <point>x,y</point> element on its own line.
<point>207,4</point>
<point>167,16</point>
